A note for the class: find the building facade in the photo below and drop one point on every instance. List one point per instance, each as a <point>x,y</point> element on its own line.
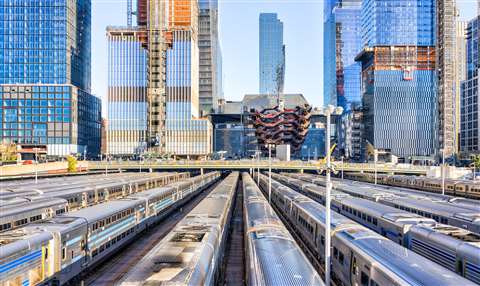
<point>127,92</point>
<point>210,89</point>
<point>398,76</point>
<point>342,43</point>
<point>45,50</point>
<point>351,135</point>
<point>470,101</point>
<point>272,54</point>
<point>445,21</point>
<point>460,74</point>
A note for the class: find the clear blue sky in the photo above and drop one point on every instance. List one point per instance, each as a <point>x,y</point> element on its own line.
<point>303,28</point>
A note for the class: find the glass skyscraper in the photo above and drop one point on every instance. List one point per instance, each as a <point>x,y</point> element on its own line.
<point>45,78</point>
<point>127,92</point>
<point>272,54</point>
<point>342,43</point>
<point>470,99</point>
<point>398,75</point>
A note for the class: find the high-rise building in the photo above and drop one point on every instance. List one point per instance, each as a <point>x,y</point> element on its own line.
<point>342,42</point>
<point>127,92</point>
<point>398,75</point>
<point>45,50</point>
<point>171,38</point>
<point>460,74</point>
<point>272,54</point>
<point>470,101</point>
<point>210,89</point>
<point>445,67</point>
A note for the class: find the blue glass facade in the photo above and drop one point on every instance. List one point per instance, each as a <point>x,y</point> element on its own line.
<point>272,54</point>
<point>45,76</point>
<point>342,43</point>
<point>470,97</point>
<point>314,145</point>
<point>398,22</point>
<point>398,75</point>
<point>45,41</point>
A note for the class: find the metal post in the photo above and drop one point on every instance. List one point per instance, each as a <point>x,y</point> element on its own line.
<point>443,171</point>
<point>258,169</point>
<point>269,173</point>
<point>342,168</point>
<point>36,165</point>
<point>327,203</point>
<point>375,158</point>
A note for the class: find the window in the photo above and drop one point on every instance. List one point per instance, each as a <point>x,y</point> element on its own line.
<point>341,257</point>
<point>364,279</point>
<point>64,253</point>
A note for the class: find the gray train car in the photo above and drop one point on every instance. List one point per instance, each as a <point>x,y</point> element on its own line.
<point>191,254</point>
<point>273,256</point>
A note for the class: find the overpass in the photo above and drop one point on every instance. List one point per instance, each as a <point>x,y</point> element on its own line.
<point>299,166</point>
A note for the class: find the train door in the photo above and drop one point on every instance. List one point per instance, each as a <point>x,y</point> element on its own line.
<point>353,269</point>
<point>84,200</point>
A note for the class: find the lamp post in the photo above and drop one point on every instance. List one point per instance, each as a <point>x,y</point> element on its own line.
<point>36,164</point>
<point>269,173</point>
<point>443,171</point>
<point>342,168</point>
<point>329,110</point>
<point>375,159</point>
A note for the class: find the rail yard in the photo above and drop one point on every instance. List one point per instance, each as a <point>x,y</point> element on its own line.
<point>237,228</point>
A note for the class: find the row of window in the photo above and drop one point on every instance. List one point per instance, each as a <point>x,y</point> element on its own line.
<point>111,242</point>
<point>360,215</point>
<point>112,219</point>
<point>423,213</point>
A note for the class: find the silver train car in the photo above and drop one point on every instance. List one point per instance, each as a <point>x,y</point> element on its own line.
<point>29,211</point>
<point>425,236</point>
<point>444,212</point>
<point>20,211</point>
<point>463,188</point>
<point>273,257</point>
<point>360,256</point>
<point>191,254</point>
<point>81,239</point>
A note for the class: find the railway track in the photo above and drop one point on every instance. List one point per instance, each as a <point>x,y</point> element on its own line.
<point>112,270</point>
<point>234,267</point>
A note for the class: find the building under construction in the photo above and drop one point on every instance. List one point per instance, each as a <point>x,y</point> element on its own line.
<point>171,40</point>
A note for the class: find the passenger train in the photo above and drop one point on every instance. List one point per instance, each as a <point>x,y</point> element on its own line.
<point>191,254</point>
<point>56,250</point>
<point>460,188</point>
<point>360,256</point>
<point>445,212</point>
<point>273,257</point>
<point>454,248</point>
<point>25,209</point>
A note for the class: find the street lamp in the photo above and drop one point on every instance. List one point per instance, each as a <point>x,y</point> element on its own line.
<point>443,171</point>
<point>329,110</point>
<point>36,164</point>
<point>269,173</point>
<point>342,168</point>
<point>375,159</point>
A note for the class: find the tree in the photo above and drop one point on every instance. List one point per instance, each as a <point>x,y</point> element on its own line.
<point>72,164</point>
<point>476,161</point>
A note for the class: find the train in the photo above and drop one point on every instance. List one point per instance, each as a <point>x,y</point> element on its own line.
<point>50,201</point>
<point>56,250</point>
<point>191,254</point>
<point>272,255</point>
<point>446,212</point>
<point>454,248</point>
<point>360,256</point>
<point>459,188</point>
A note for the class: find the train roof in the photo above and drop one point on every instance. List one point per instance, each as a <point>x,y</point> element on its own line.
<point>62,224</point>
<point>409,266</point>
<point>317,212</point>
<point>441,209</point>
<point>15,241</point>
<point>100,211</point>
<point>12,210</point>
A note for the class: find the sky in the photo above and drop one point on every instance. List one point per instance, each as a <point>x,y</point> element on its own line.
<point>303,28</point>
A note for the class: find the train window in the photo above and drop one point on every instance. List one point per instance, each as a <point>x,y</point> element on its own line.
<point>335,252</point>
<point>428,215</point>
<point>71,255</point>
<point>435,217</point>
<point>364,279</point>
<point>46,252</point>
<point>443,220</point>
<point>373,283</point>
<point>341,258</point>
<point>375,221</point>
<point>369,219</point>
<point>364,216</point>
<point>355,212</point>
<point>322,240</point>
<point>64,253</point>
